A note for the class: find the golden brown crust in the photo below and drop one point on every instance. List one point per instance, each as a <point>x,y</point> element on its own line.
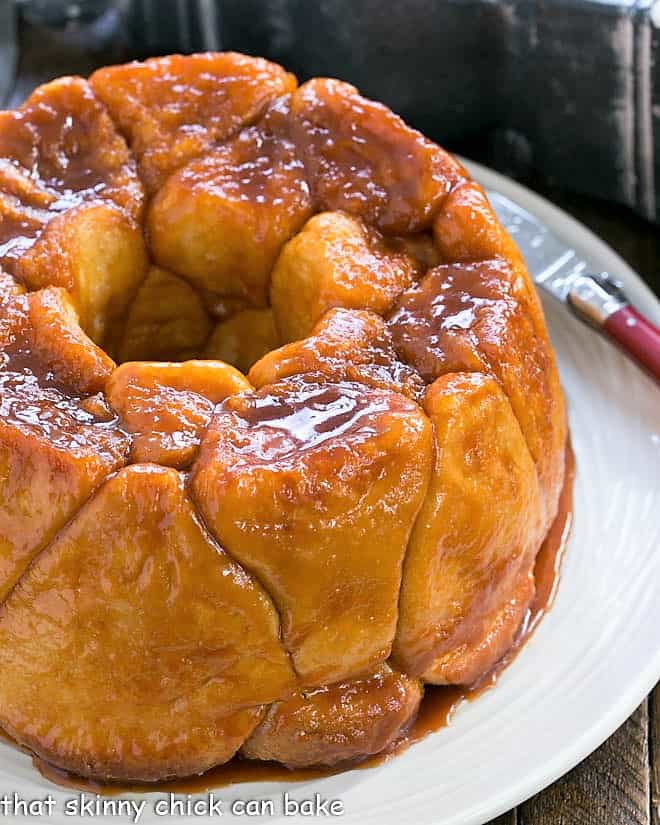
<point>155,650</point>
<point>492,636</point>
<point>475,538</point>
<point>335,261</point>
<point>339,723</point>
<point>174,108</point>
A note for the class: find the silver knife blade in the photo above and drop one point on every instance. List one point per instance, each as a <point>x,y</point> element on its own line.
<point>552,264</point>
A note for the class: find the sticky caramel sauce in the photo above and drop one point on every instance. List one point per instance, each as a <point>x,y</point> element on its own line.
<point>437,708</point>
<point>5,737</point>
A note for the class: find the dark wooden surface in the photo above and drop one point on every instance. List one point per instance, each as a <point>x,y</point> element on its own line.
<point>619,784</point>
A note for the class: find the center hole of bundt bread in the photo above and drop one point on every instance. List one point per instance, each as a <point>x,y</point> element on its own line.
<point>169,319</point>
<point>239,298</point>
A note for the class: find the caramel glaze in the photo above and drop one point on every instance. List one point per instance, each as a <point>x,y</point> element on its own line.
<point>437,708</point>
<point>58,151</point>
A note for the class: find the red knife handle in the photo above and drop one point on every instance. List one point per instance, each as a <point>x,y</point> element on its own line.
<point>637,336</point>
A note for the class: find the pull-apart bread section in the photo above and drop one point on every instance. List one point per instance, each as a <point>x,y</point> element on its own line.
<point>70,200</point>
<point>321,471</point>
<point>155,650</point>
<point>468,576</point>
<point>167,321</point>
<point>335,261</point>
<point>345,345</point>
<point>314,488</point>
<point>222,220</point>
<point>474,317</point>
<point>53,452</point>
<point>342,722</point>
<point>173,109</point>
<point>509,332</point>
<point>168,406</point>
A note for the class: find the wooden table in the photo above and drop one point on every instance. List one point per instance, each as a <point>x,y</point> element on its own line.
<point>619,784</point>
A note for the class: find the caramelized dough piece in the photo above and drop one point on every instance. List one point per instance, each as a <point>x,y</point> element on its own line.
<point>166,322</point>
<point>345,345</point>
<point>40,336</point>
<point>337,723</point>
<point>53,337</point>
<point>222,220</point>
<point>98,256</point>
<point>467,229</point>
<point>474,317</point>
<point>363,159</point>
<point>69,202</point>
<point>134,648</point>
<point>52,455</point>
<point>53,452</point>
<point>59,151</point>
<point>468,573</point>
<point>336,261</point>
<point>471,662</point>
<point>314,488</point>
<point>168,406</point>
<point>244,338</point>
<point>175,108</point>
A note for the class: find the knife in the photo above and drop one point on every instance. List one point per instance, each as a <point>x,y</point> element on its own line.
<point>596,299</point>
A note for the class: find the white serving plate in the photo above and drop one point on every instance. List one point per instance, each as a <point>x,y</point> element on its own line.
<point>593,658</point>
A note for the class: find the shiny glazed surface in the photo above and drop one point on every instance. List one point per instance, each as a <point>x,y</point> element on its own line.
<point>314,488</point>
<point>319,718</point>
<point>359,515</point>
